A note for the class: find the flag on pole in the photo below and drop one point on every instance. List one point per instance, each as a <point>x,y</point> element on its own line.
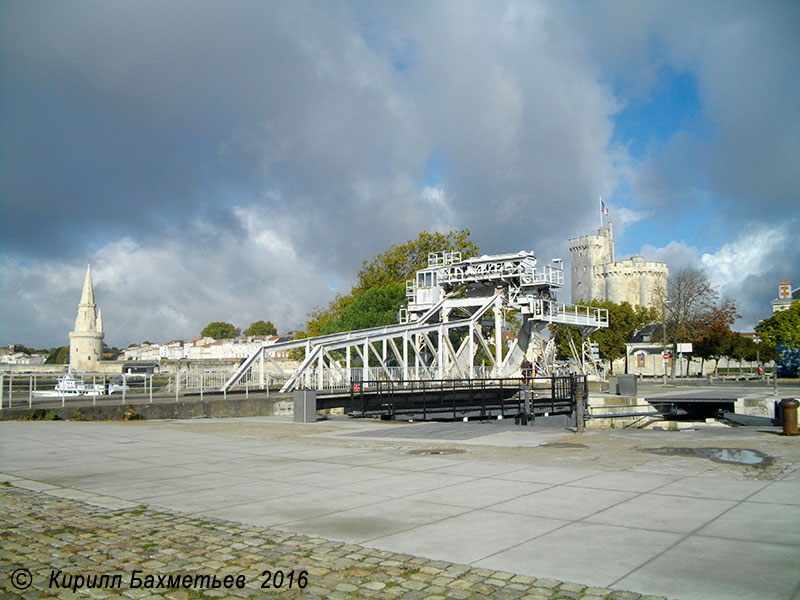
<point>603,208</point>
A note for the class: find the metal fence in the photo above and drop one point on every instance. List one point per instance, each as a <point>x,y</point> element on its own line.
<point>45,390</point>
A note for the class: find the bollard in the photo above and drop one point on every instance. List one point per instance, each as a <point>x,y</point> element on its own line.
<point>789,410</point>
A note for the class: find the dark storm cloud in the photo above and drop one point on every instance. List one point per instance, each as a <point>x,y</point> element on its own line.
<point>224,160</point>
<point>154,112</point>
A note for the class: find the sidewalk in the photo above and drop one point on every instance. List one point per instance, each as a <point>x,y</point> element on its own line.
<point>669,526</point>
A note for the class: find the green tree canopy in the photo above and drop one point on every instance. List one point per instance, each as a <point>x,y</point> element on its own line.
<point>385,273</point>
<point>714,337</point>
<point>398,263</point>
<point>261,328</point>
<point>374,307</point>
<point>220,330</point>
<point>58,356</point>
<point>782,328</point>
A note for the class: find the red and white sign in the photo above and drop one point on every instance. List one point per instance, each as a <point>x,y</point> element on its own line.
<point>666,356</point>
<point>784,290</point>
<point>356,387</point>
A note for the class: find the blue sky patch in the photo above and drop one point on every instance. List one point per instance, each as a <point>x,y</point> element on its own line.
<point>674,103</point>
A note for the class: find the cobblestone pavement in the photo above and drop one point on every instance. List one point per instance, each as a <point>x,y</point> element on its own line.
<point>54,543</point>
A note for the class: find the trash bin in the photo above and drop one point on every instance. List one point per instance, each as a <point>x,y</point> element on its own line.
<point>305,406</point>
<point>627,385</point>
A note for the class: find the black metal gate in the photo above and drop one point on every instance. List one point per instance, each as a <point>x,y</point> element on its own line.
<point>455,399</point>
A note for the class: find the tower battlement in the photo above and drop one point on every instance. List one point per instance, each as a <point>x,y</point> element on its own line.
<point>597,276</point>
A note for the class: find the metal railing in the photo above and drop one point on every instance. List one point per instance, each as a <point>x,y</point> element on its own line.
<point>558,312</point>
<point>46,391</point>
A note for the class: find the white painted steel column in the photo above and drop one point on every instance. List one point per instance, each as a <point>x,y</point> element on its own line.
<point>347,365</point>
<point>405,355</point>
<point>439,351</point>
<point>416,356</point>
<point>2,381</point>
<point>365,368</point>
<point>307,375</point>
<point>261,378</point>
<point>498,335</point>
<point>471,350</point>
<point>320,369</point>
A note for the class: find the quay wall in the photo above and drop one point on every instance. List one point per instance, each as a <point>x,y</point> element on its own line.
<point>209,407</point>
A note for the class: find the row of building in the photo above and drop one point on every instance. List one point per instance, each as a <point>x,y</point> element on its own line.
<point>9,356</point>
<point>202,348</point>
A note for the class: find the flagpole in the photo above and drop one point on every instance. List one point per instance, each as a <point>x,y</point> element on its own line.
<point>601,212</point>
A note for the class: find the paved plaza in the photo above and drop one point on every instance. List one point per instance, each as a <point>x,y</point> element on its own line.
<point>371,509</point>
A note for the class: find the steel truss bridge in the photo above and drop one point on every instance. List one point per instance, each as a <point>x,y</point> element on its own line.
<point>452,328</point>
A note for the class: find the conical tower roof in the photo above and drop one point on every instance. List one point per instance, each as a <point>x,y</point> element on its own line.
<point>87,296</point>
<point>86,321</point>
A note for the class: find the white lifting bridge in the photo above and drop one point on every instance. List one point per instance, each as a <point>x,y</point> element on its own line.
<point>451,328</point>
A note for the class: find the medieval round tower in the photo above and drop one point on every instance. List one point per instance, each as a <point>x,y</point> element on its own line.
<point>86,341</point>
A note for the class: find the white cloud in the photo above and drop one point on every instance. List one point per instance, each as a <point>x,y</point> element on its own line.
<point>753,253</point>
<point>677,255</point>
<point>746,269</point>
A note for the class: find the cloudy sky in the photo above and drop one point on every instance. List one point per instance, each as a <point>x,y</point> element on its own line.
<point>237,160</point>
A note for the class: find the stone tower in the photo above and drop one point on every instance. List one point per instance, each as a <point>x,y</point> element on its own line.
<point>586,253</point>
<point>86,342</point>
<point>597,276</point>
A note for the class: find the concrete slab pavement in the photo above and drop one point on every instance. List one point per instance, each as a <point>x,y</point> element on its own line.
<point>663,526</point>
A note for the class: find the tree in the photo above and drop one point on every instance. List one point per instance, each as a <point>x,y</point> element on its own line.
<point>261,328</point>
<point>690,298</point>
<point>782,328</point>
<point>220,330</point>
<point>375,307</point>
<point>781,337</point>
<point>61,356</point>
<point>398,263</point>
<point>714,338</point>
<point>744,348</point>
<point>386,270</point>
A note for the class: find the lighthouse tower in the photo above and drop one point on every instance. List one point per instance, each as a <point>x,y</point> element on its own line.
<point>86,342</point>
